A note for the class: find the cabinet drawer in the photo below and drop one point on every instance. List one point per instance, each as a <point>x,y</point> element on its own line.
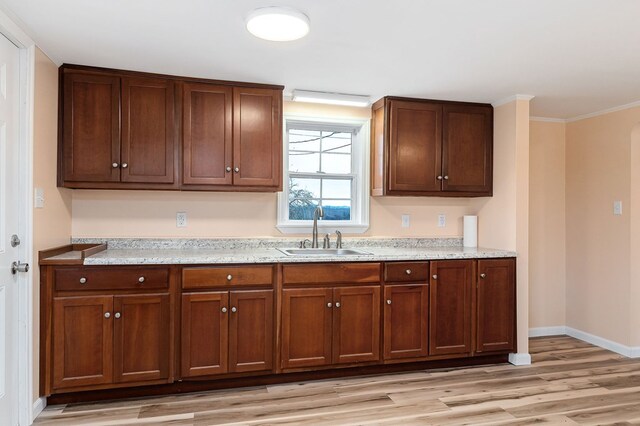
<point>329,273</point>
<point>406,271</point>
<point>111,279</point>
<point>226,276</point>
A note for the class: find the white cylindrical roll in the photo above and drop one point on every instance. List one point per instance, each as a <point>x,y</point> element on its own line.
<point>470,235</point>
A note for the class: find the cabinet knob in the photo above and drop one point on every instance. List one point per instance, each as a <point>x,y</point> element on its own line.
<point>388,301</point>
<point>483,276</point>
<point>408,271</point>
<point>439,178</point>
<point>337,304</point>
<point>228,168</point>
<point>124,165</point>
<point>115,165</point>
<point>107,314</point>
<point>435,277</point>
<point>141,280</point>
<point>117,315</point>
<point>224,310</point>
<point>236,169</point>
<point>233,309</point>
<point>329,305</point>
<point>446,177</point>
<point>229,277</point>
<point>83,280</point>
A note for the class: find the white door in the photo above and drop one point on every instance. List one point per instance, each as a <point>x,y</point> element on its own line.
<point>9,225</point>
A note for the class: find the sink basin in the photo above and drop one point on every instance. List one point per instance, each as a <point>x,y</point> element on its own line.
<point>323,252</point>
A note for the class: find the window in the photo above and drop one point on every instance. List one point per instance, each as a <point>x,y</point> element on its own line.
<point>325,165</point>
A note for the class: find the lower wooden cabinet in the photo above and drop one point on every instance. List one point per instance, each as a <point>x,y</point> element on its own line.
<point>496,298</point>
<point>406,321</point>
<point>450,307</point>
<point>324,326</point>
<point>227,331</point>
<point>110,339</point>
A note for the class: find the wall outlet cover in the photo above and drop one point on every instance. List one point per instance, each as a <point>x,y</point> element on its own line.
<point>181,219</point>
<point>406,220</point>
<point>442,221</point>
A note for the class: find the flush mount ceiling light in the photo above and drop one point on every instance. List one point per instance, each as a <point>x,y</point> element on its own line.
<point>275,23</point>
<point>330,98</point>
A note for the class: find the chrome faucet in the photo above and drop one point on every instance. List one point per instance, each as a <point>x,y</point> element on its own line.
<point>339,239</point>
<point>318,212</point>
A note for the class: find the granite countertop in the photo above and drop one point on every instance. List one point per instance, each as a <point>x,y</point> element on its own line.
<point>126,251</point>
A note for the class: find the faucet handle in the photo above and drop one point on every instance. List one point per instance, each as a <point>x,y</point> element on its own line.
<point>338,239</point>
<point>326,243</point>
<point>303,243</point>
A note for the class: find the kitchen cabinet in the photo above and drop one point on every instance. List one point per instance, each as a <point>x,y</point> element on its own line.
<point>450,309</point>
<point>117,130</point>
<point>228,331</point>
<point>334,318</point>
<point>496,292</point>
<point>110,339</point>
<point>431,148</point>
<point>406,310</point>
<point>231,137</point>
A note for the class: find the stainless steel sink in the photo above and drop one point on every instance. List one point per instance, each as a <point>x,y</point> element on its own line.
<point>323,252</point>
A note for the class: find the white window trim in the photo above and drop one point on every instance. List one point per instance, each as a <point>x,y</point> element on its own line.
<point>360,214</point>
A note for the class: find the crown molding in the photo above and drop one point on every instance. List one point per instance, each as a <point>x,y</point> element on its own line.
<point>603,112</point>
<point>512,99</point>
<point>548,119</point>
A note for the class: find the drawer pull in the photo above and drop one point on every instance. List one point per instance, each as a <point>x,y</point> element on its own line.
<point>107,314</point>
<point>233,309</point>
<point>388,301</point>
<point>408,271</point>
<point>83,280</point>
<point>435,277</point>
<point>224,310</point>
<point>229,277</point>
<point>141,280</point>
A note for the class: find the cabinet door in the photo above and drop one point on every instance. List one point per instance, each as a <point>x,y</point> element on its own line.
<point>205,324</point>
<point>306,327</point>
<point>406,320</point>
<point>356,324</point>
<point>250,330</point>
<point>82,341</point>
<point>415,141</point>
<point>257,137</point>
<point>206,134</point>
<point>467,149</point>
<point>141,337</point>
<point>91,128</point>
<point>496,305</point>
<point>450,307</point>
<point>148,135</point>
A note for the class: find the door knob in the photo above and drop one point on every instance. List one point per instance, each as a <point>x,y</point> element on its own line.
<point>19,267</point>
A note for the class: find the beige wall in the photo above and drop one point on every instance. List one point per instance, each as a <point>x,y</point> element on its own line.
<point>547,253</point>
<point>51,224</point>
<point>598,168</point>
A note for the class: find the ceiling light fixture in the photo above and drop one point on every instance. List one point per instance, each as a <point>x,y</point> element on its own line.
<point>330,98</point>
<point>275,23</point>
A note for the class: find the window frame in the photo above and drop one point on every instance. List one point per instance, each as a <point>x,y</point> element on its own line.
<point>359,222</point>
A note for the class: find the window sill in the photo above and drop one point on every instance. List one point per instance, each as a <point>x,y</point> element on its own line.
<point>323,228</point>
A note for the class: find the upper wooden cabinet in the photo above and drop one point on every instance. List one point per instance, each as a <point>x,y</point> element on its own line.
<point>232,138</point>
<point>125,130</point>
<point>422,147</point>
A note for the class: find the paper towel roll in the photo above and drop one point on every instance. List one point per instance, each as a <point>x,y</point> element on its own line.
<point>470,232</point>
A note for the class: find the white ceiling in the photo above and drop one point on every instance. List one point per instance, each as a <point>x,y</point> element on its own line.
<point>575,56</point>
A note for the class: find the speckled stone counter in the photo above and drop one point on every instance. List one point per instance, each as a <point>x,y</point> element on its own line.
<point>126,251</point>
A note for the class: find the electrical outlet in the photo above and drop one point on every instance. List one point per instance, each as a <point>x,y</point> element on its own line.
<point>38,201</point>
<point>406,220</point>
<point>181,219</point>
<point>442,221</point>
<point>617,208</point>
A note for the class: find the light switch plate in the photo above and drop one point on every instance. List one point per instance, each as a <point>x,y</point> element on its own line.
<point>442,221</point>
<point>617,208</point>
<point>38,198</point>
<point>406,220</point>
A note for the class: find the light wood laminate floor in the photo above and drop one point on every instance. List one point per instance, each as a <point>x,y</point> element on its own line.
<point>569,382</point>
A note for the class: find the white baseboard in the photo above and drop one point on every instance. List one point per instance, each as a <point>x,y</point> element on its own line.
<point>628,351</point>
<point>547,331</point>
<point>520,359</point>
<point>38,405</point>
